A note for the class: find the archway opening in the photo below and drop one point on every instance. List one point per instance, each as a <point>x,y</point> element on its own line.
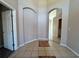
<point>55,25</point>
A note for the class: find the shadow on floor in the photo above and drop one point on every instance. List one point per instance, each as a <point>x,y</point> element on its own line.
<point>5,53</point>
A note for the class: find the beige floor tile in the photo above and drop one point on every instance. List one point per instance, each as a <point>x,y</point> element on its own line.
<point>67,53</point>
<point>41,48</point>
<point>35,48</point>
<point>41,53</point>
<point>34,53</point>
<point>50,53</point>
<point>29,48</point>
<point>57,53</point>
<point>28,54</point>
<point>20,55</point>
<point>50,48</point>
<point>13,55</point>
<point>32,50</point>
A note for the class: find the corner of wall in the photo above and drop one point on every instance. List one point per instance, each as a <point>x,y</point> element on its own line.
<point>77,54</point>
<point>26,43</point>
<point>65,45</point>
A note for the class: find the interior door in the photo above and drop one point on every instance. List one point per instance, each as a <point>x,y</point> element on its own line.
<point>7,29</point>
<point>30,25</point>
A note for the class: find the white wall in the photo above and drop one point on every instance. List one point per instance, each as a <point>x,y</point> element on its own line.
<point>42,20</point>
<point>21,4</point>
<point>73,26</point>
<point>42,7</point>
<point>64,5</point>
<point>13,3</point>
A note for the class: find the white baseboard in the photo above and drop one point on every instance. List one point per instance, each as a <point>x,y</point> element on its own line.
<point>77,54</point>
<point>64,45</point>
<point>26,43</point>
<point>73,51</point>
<point>44,39</point>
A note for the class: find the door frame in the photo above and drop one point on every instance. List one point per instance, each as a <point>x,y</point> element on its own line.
<point>58,19</point>
<point>14,25</point>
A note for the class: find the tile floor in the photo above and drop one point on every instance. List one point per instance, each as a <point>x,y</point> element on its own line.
<point>32,50</point>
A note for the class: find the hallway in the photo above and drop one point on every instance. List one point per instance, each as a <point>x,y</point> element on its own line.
<point>28,21</point>
<point>32,50</point>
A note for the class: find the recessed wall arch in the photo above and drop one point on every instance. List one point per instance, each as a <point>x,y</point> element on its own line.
<point>52,10</point>
<point>30,24</point>
<point>30,9</point>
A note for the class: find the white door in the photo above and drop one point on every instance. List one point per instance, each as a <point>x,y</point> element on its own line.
<point>7,30</point>
<point>30,25</point>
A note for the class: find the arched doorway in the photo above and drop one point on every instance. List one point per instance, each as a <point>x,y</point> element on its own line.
<point>55,25</point>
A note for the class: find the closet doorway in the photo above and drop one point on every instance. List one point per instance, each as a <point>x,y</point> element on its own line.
<point>8,42</point>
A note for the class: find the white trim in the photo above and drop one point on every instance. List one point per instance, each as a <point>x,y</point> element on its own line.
<point>15,29</point>
<point>62,44</point>
<point>70,49</point>
<point>73,51</point>
<point>43,39</point>
<point>14,20</point>
<point>6,4</point>
<point>26,43</point>
<point>32,41</point>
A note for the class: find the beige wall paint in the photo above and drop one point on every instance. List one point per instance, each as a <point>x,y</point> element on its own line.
<point>64,5</point>
<point>73,26</point>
